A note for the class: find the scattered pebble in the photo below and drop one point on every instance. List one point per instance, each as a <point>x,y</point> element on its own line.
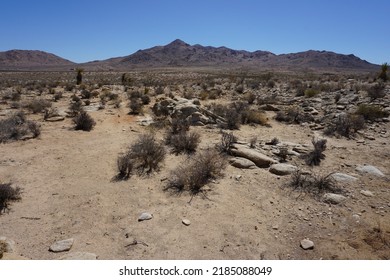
<point>186,222</point>
<point>62,245</point>
<point>366,193</point>
<point>307,244</point>
<point>145,216</point>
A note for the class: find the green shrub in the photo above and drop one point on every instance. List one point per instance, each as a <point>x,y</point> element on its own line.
<point>310,92</point>
<point>371,112</point>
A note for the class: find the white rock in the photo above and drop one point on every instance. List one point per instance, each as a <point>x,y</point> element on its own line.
<point>145,216</point>
<point>366,193</point>
<point>282,169</point>
<point>333,198</point>
<point>258,158</point>
<point>186,222</point>
<point>307,244</point>
<point>341,177</point>
<point>369,169</point>
<point>62,245</point>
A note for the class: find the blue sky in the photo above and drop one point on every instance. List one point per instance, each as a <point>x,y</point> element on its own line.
<point>85,30</point>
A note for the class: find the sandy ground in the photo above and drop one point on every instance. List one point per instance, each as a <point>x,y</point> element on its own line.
<point>68,192</point>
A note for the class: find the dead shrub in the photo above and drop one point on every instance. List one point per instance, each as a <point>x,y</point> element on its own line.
<point>183,142</point>
<point>315,156</point>
<point>226,144</point>
<point>345,125</point>
<point>313,184</point>
<point>17,126</point>
<point>124,165</point>
<point>254,117</point>
<point>8,194</point>
<point>38,105</point>
<point>194,175</point>
<point>75,108</point>
<point>376,91</point>
<point>83,121</point>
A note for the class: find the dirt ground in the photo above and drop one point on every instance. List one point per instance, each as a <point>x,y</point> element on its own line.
<point>68,192</point>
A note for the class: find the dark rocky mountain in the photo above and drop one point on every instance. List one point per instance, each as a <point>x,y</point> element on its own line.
<point>181,54</point>
<point>32,60</point>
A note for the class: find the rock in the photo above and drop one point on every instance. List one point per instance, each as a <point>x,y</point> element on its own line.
<point>269,107</point>
<point>61,246</point>
<point>145,216</point>
<point>258,158</point>
<point>282,169</point>
<point>55,119</point>
<point>275,227</point>
<point>7,246</point>
<point>79,256</point>
<point>186,222</point>
<point>145,120</point>
<point>341,177</point>
<point>366,193</point>
<point>242,163</point>
<point>307,244</point>
<point>334,198</point>
<point>369,169</point>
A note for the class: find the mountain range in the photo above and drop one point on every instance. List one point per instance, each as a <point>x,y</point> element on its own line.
<point>181,54</point>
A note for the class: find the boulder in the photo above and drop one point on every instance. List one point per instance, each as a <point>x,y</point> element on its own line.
<point>369,169</point>
<point>334,198</point>
<point>341,177</point>
<point>261,160</point>
<point>282,169</point>
<point>242,163</point>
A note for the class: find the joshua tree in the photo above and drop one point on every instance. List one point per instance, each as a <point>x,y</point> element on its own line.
<point>79,76</point>
<point>383,74</point>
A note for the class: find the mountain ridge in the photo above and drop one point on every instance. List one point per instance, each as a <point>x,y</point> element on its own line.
<point>181,54</point>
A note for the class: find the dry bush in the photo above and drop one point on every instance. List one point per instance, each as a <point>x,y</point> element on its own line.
<point>184,142</point>
<point>252,142</point>
<point>75,108</point>
<point>226,144</point>
<point>371,112</point>
<point>250,97</point>
<point>376,91</point>
<point>17,126</point>
<point>147,153</point>
<point>38,105</point>
<point>313,184</point>
<point>125,166</point>
<point>83,121</point>
<point>283,153</point>
<point>311,92</point>
<point>314,157</point>
<point>254,117</point>
<point>7,194</point>
<point>194,175</point>
<point>345,125</point>
<point>135,106</point>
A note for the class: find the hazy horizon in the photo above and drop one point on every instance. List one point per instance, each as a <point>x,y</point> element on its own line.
<point>83,31</point>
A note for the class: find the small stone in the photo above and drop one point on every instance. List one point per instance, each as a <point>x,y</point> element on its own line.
<point>334,198</point>
<point>79,256</point>
<point>366,193</point>
<point>275,227</point>
<point>238,177</point>
<point>145,216</point>
<point>61,246</point>
<point>55,119</point>
<point>307,244</point>
<point>186,222</point>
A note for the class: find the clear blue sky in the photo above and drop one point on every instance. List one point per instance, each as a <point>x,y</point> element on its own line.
<point>85,30</point>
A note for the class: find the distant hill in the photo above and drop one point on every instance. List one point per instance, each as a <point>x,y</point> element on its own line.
<point>32,60</point>
<point>181,54</point>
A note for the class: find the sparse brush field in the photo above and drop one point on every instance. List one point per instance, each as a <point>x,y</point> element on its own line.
<point>256,162</point>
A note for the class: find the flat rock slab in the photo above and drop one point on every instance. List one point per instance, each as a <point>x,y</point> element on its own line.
<point>145,216</point>
<point>341,177</point>
<point>334,198</point>
<point>242,163</point>
<point>261,160</point>
<point>366,193</point>
<point>282,169</point>
<point>55,119</point>
<point>369,169</point>
<point>79,256</point>
<point>62,245</point>
<point>307,244</point>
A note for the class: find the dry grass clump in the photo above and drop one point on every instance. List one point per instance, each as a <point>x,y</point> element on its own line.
<point>38,105</point>
<point>179,139</point>
<point>376,91</point>
<point>7,194</point>
<point>17,126</point>
<point>144,155</point>
<point>226,144</point>
<point>194,175</point>
<point>313,184</point>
